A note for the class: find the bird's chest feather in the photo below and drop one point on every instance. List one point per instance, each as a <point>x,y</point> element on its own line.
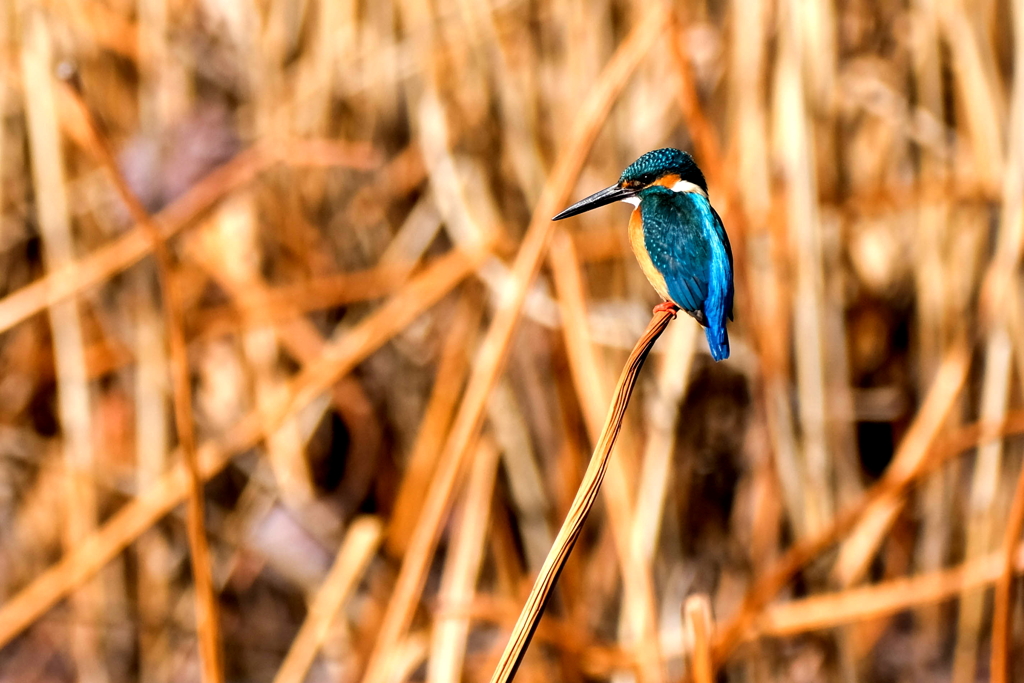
<point>636,241</point>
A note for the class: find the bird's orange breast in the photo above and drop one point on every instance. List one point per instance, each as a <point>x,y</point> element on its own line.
<point>636,241</point>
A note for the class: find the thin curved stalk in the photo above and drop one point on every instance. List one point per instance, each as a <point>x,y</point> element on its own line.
<point>581,506</point>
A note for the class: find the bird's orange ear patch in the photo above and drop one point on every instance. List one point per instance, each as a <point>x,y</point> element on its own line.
<point>668,180</point>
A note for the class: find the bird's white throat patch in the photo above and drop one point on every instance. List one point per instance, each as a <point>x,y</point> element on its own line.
<point>687,186</point>
<point>635,201</point>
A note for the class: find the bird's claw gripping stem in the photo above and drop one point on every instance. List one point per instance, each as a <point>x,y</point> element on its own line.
<point>667,307</point>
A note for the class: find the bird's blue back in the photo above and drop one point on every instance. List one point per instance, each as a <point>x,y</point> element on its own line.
<point>688,245</point>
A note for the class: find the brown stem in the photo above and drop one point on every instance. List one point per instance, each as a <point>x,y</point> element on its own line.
<point>1001,619</point>
<point>699,624</point>
<point>207,622</point>
<point>586,495</point>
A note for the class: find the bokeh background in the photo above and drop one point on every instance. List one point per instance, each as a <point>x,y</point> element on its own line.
<point>299,250</point>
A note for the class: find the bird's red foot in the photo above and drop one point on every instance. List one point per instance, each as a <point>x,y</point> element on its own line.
<point>667,307</point>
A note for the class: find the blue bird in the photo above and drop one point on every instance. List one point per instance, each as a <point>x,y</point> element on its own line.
<point>678,238</point>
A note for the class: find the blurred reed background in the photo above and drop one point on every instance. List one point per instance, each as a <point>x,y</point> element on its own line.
<point>300,250</point>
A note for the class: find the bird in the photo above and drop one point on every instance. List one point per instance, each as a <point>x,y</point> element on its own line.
<point>677,237</point>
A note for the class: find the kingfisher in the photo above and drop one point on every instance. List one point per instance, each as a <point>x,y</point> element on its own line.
<point>678,238</point>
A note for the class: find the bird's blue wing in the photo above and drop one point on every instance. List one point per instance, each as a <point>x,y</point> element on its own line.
<point>724,237</point>
<point>688,245</point>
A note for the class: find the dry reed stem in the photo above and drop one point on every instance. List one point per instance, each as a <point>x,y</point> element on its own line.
<point>74,406</point>
<point>979,90</point>
<point>106,27</point>
<point>932,291</point>
<point>152,444</point>
<point>748,58</point>
<point>451,371</point>
<point>6,35</point>
<point>795,149</point>
<point>337,359</point>
<point>584,501</point>
<point>882,599</point>
<point>639,612</point>
<point>491,357</point>
<point>131,247</point>
<point>160,102</point>
<point>586,372</point>
<point>207,609</point>
<point>414,235</point>
<point>983,511</point>
<point>462,568</point>
<point>1002,617</point>
<point>409,654</point>
<point>1009,252</point>
<point>362,539</point>
<point>859,547</point>
<point>284,303</point>
<point>527,493</point>
<point>705,140</point>
<point>595,660</point>
<point>699,625</point>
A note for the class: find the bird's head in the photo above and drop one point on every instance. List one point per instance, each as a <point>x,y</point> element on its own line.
<point>669,168</point>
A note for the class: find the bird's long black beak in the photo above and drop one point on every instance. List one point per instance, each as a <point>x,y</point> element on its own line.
<point>606,196</point>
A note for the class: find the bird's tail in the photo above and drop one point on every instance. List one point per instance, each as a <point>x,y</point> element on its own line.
<point>718,340</point>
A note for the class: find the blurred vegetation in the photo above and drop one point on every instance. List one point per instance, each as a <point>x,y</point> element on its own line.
<point>393,366</point>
